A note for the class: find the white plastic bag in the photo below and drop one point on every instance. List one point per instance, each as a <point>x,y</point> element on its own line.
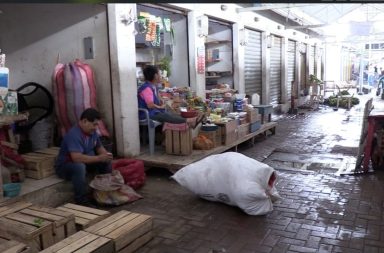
<point>234,179</point>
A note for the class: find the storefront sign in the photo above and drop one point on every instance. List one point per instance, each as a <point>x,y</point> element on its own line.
<point>201,60</point>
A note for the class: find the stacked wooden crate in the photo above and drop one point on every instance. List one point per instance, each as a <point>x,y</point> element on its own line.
<point>40,164</point>
<point>178,142</point>
<point>84,216</point>
<point>128,231</point>
<point>37,234</point>
<point>13,207</point>
<point>82,242</point>
<point>63,222</point>
<point>12,246</point>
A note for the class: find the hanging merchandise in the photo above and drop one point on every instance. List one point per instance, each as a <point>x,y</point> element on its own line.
<point>141,24</point>
<point>74,90</point>
<point>167,24</point>
<point>201,60</point>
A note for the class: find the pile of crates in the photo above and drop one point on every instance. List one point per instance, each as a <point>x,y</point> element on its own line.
<point>69,228</point>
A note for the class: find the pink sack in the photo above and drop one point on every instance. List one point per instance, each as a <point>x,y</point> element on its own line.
<point>132,171</point>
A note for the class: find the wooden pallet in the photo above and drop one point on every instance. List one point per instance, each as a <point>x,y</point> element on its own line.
<point>129,231</point>
<point>82,242</point>
<point>24,228</point>
<point>63,222</point>
<point>84,216</point>
<point>39,165</point>
<point>13,207</point>
<point>12,246</point>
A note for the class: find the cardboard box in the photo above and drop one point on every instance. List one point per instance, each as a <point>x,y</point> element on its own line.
<point>253,127</point>
<point>242,130</point>
<point>253,116</point>
<point>228,127</point>
<point>228,132</point>
<point>229,138</point>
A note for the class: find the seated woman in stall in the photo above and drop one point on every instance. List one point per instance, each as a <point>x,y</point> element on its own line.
<point>148,99</point>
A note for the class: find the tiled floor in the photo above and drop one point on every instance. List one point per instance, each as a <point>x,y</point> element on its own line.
<point>319,212</point>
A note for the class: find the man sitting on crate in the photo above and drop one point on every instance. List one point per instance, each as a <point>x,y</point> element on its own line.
<point>80,150</point>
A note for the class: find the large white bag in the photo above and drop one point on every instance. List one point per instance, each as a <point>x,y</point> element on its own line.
<point>234,179</point>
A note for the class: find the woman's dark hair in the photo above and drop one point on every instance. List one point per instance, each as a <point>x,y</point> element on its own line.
<point>90,114</point>
<point>149,72</point>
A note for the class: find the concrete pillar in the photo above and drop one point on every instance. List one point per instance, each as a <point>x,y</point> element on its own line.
<point>265,68</point>
<point>197,81</point>
<point>284,70</point>
<point>238,59</point>
<point>123,75</point>
<point>297,70</point>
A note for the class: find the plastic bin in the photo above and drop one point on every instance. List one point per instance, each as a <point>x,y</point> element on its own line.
<point>11,189</point>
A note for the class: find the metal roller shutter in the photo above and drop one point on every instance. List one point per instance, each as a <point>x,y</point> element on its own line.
<point>275,71</point>
<point>252,63</point>
<point>291,56</point>
<point>312,60</point>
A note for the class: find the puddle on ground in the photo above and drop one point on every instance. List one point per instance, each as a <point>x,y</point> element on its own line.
<point>325,164</point>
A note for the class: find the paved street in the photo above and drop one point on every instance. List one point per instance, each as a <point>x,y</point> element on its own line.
<point>319,211</point>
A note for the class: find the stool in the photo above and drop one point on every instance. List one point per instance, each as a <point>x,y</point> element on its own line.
<point>348,97</point>
<point>265,110</point>
<point>178,139</point>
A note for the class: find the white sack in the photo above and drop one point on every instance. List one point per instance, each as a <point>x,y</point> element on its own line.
<point>233,179</point>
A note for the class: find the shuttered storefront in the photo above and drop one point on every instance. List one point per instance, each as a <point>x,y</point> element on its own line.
<point>252,63</point>
<point>275,71</point>
<point>312,60</point>
<point>291,66</point>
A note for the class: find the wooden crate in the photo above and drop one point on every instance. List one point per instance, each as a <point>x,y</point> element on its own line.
<point>178,142</point>
<point>63,222</point>
<point>82,242</point>
<point>39,165</point>
<point>84,216</point>
<point>50,151</point>
<point>129,231</point>
<point>12,246</point>
<point>242,130</point>
<point>214,136</point>
<point>24,228</point>
<point>13,207</point>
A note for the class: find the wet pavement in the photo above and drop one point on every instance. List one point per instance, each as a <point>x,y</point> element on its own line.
<point>319,211</point>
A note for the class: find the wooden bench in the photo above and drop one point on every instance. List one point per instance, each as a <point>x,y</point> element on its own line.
<point>63,222</point>
<point>129,231</point>
<point>84,216</point>
<point>11,246</point>
<point>82,242</point>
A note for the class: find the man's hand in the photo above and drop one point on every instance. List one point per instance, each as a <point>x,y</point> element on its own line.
<point>105,157</point>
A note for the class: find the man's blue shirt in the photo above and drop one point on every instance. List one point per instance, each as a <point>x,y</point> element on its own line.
<point>77,141</point>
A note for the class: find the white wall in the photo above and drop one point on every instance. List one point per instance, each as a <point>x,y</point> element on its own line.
<point>33,35</point>
<point>179,62</point>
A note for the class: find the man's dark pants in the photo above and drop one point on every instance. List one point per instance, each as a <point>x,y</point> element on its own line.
<point>76,172</point>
